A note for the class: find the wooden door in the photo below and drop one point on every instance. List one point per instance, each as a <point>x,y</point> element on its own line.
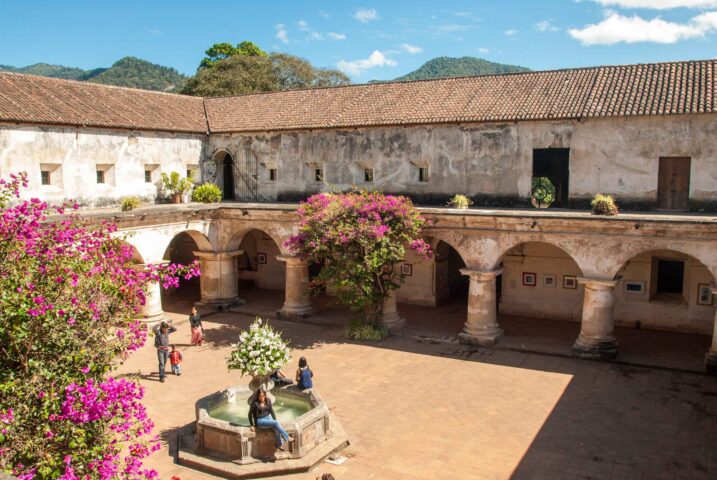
<point>673,183</point>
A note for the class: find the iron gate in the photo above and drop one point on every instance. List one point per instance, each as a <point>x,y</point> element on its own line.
<point>248,187</point>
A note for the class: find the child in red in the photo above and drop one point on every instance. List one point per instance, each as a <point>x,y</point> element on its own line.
<point>175,358</point>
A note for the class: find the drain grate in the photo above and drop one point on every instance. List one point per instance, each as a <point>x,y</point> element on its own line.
<point>467,353</point>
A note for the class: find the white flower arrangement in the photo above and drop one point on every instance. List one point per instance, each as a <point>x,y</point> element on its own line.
<point>260,350</point>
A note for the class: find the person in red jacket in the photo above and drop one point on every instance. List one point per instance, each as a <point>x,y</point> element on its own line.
<point>175,358</point>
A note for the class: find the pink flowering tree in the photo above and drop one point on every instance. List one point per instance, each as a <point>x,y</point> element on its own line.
<point>69,306</point>
<point>359,237</point>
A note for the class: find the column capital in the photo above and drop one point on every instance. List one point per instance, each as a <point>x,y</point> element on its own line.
<point>481,275</point>
<point>293,260</point>
<point>598,283</point>
<point>218,255</point>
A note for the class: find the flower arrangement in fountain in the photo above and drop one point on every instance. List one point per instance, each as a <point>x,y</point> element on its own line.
<point>260,350</point>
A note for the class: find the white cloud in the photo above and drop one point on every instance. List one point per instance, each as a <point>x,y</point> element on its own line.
<point>315,36</point>
<point>546,26</point>
<point>356,67</point>
<point>303,26</point>
<point>281,33</point>
<point>336,36</point>
<point>659,4</point>
<point>510,33</point>
<point>483,51</point>
<point>412,49</point>
<point>366,15</point>
<point>616,28</point>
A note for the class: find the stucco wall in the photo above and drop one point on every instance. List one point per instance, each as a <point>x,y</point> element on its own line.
<point>492,162</point>
<point>73,156</point>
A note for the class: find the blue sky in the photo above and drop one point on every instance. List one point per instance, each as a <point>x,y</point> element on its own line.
<point>366,39</point>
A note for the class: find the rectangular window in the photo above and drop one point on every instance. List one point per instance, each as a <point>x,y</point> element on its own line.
<point>189,173</point>
<point>423,174</point>
<point>45,177</point>
<point>148,176</point>
<point>670,276</point>
<point>100,176</point>
<point>272,174</point>
<point>368,175</point>
<point>319,174</point>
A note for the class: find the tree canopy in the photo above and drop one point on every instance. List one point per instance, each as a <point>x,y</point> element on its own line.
<point>229,70</point>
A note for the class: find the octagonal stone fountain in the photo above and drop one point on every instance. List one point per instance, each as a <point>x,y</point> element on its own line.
<point>221,441</point>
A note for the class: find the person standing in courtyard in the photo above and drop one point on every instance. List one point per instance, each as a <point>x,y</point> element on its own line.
<point>175,358</point>
<point>197,330</point>
<point>304,375</point>
<point>261,414</point>
<point>161,343</point>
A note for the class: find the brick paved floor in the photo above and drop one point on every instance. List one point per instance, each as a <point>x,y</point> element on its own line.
<point>427,410</point>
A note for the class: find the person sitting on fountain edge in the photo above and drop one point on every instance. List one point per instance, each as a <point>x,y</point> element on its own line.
<point>304,375</point>
<point>281,379</point>
<point>261,414</point>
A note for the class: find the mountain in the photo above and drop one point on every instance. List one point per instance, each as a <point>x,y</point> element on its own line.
<point>126,72</point>
<point>443,67</point>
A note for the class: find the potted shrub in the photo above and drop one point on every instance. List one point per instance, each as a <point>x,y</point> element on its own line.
<point>603,205</point>
<point>207,193</point>
<point>170,184</point>
<point>130,203</point>
<point>185,187</point>
<point>460,201</point>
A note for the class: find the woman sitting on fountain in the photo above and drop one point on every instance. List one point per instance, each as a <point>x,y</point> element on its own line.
<point>261,414</point>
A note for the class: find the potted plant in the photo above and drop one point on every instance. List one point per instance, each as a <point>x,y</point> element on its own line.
<point>206,193</point>
<point>170,184</point>
<point>130,203</point>
<point>460,201</point>
<point>185,187</point>
<point>259,352</point>
<point>603,205</point>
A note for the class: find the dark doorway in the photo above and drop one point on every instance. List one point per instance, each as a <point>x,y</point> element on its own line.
<point>670,276</point>
<point>228,174</point>
<point>554,164</point>
<point>451,284</point>
<point>673,183</point>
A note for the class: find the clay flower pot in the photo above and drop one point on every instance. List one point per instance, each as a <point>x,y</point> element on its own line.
<point>176,198</point>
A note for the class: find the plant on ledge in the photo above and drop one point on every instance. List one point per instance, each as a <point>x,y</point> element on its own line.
<point>259,352</point>
<point>460,201</point>
<point>207,193</point>
<point>604,205</point>
<point>130,203</point>
<point>358,238</point>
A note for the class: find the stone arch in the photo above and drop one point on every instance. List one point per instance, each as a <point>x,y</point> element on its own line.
<point>181,249</point>
<point>258,266</point>
<point>137,257</point>
<point>460,243</point>
<point>223,162</point>
<point>689,250</point>
<point>522,241</point>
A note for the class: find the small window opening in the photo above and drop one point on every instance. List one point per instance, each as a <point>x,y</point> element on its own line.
<point>272,174</point>
<point>368,175</point>
<point>45,177</point>
<point>319,174</point>
<point>100,176</point>
<point>670,276</point>
<point>423,174</point>
<point>148,176</point>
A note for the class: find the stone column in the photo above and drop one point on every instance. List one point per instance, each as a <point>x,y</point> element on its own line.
<point>597,337</point>
<point>481,327</point>
<point>711,357</point>
<point>152,312</point>
<point>391,318</point>
<point>219,280</point>
<point>297,297</point>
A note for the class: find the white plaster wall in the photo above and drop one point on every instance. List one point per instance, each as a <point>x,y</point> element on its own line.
<point>77,152</point>
<point>618,156</point>
<point>269,275</point>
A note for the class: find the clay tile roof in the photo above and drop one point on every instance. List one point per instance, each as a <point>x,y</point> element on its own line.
<point>649,89</point>
<point>42,100</point>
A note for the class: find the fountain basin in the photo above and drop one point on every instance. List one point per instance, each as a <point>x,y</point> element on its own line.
<point>222,427</point>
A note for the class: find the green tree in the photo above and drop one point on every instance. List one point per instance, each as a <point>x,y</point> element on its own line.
<point>222,51</point>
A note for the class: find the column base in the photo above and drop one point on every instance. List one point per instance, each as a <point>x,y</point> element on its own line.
<point>221,304</point>
<point>295,312</point>
<point>711,362</point>
<point>393,322</point>
<point>153,320</point>
<point>595,350</point>
<point>486,338</point>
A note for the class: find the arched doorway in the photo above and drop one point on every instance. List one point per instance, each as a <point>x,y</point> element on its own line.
<point>181,250</point>
<point>225,174</point>
<point>451,284</point>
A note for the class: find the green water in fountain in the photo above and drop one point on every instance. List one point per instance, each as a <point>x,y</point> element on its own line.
<point>286,408</point>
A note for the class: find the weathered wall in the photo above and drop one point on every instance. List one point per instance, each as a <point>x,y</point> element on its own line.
<point>73,156</point>
<point>491,162</point>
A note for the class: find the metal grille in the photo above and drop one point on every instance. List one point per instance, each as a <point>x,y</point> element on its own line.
<point>247,188</point>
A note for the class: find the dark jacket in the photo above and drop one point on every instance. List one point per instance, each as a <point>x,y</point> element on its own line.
<point>195,321</point>
<point>161,340</point>
<point>256,412</point>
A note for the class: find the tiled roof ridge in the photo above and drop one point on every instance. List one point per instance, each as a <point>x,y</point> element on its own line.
<point>94,84</point>
<point>465,77</point>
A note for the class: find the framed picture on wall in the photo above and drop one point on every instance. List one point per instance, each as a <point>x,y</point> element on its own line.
<point>704,294</point>
<point>260,257</point>
<point>634,286</point>
<point>529,279</point>
<point>406,269</point>
<point>549,280</point>
<point>570,282</point>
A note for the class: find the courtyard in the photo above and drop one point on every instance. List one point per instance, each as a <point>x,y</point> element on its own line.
<point>421,407</point>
